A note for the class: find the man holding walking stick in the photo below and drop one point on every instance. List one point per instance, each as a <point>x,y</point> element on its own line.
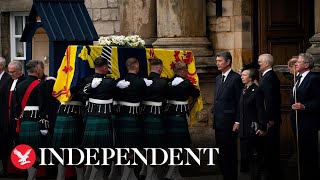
<point>305,101</point>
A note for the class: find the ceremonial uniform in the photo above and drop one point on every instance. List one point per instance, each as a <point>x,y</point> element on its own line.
<point>68,128</point>
<point>128,126</point>
<point>98,126</point>
<point>152,111</point>
<point>32,113</point>
<point>52,104</point>
<point>3,122</point>
<point>177,110</point>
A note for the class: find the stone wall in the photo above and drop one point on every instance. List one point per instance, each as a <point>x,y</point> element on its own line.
<point>105,16</point>
<point>231,31</point>
<point>5,35</point>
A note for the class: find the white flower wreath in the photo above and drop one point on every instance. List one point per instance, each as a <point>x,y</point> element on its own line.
<point>132,41</point>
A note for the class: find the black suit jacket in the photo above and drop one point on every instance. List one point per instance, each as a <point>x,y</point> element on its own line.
<point>269,95</point>
<point>3,101</point>
<point>226,101</point>
<point>307,94</point>
<point>249,110</point>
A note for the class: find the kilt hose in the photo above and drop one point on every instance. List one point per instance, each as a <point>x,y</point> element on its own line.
<point>153,131</point>
<point>30,135</point>
<point>177,132</point>
<point>68,131</point>
<point>98,132</point>
<point>128,131</point>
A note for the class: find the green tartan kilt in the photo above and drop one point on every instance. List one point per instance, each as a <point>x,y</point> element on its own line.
<point>67,131</point>
<point>98,133</point>
<point>128,131</point>
<point>177,132</point>
<point>30,135</point>
<point>153,131</point>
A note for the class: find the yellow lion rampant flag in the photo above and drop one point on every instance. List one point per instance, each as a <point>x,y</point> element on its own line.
<point>78,63</point>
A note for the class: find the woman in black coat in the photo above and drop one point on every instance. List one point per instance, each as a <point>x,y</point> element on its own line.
<point>250,111</point>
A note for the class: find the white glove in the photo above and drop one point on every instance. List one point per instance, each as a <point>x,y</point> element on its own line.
<point>147,81</point>
<point>177,81</point>
<point>123,84</point>
<point>95,82</point>
<point>44,132</point>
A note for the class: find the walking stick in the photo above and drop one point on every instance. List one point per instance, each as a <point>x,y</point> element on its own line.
<point>296,112</point>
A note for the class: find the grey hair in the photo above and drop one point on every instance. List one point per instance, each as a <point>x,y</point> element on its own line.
<point>307,59</point>
<point>17,64</point>
<point>2,62</point>
<point>32,65</point>
<point>226,56</point>
<point>267,58</point>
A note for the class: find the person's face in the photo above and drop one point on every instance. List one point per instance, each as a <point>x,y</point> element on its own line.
<point>222,64</point>
<point>14,73</point>
<point>245,77</point>
<point>291,69</point>
<point>263,64</point>
<point>300,65</point>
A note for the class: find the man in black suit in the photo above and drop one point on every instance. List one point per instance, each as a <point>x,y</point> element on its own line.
<point>226,100</point>
<point>306,105</point>
<point>4,76</point>
<point>269,95</point>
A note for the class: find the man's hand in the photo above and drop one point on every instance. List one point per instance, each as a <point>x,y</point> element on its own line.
<point>298,106</point>
<point>236,127</point>
<point>260,133</point>
<point>44,132</point>
<point>95,82</point>
<point>44,126</point>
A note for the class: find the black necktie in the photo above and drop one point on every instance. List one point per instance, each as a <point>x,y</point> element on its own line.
<point>298,80</point>
<point>222,79</point>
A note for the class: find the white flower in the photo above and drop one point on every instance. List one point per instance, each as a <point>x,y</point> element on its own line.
<point>132,41</point>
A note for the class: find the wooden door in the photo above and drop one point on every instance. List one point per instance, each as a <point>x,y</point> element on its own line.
<point>40,48</point>
<point>282,28</point>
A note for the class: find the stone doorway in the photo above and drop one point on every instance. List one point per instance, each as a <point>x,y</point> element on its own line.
<point>282,28</point>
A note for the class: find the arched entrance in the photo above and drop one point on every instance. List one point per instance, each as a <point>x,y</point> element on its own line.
<point>40,47</point>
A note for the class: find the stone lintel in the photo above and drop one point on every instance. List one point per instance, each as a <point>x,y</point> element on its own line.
<point>200,46</point>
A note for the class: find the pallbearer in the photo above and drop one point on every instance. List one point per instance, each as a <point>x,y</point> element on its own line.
<point>177,133</point>
<point>128,125</point>
<point>68,129</point>
<point>98,133</point>
<point>152,111</point>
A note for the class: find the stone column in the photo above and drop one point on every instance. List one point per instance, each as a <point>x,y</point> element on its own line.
<point>139,17</point>
<point>315,40</point>
<point>182,25</point>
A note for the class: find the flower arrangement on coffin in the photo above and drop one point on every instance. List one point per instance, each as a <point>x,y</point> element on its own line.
<point>131,41</point>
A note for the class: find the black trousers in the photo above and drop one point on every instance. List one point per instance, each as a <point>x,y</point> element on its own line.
<point>271,154</point>
<point>308,152</point>
<point>227,144</point>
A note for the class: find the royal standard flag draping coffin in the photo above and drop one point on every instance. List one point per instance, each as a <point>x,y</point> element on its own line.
<point>78,64</point>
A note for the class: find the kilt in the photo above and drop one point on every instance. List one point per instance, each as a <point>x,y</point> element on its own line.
<point>128,131</point>
<point>67,131</point>
<point>30,135</point>
<point>153,131</point>
<point>177,132</point>
<point>98,133</point>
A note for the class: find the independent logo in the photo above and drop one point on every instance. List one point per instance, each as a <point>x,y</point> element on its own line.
<point>23,156</point>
